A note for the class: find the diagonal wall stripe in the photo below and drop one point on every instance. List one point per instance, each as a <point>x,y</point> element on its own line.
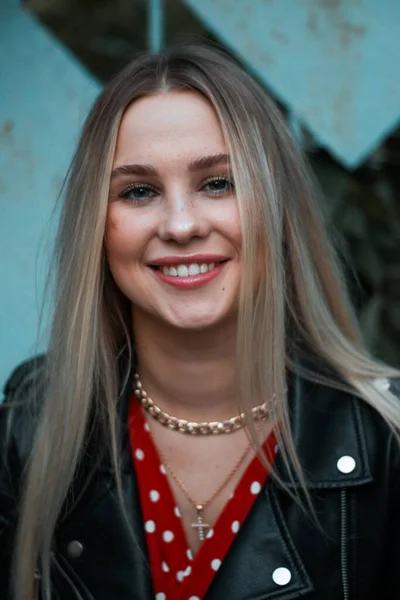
<point>44,97</point>
<point>334,63</point>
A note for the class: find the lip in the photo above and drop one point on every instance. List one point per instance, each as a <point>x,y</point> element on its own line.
<point>192,281</point>
<point>167,261</point>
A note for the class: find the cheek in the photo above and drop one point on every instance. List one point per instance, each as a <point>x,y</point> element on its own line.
<point>229,224</point>
<point>120,237</point>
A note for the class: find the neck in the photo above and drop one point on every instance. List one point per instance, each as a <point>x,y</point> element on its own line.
<point>189,374</point>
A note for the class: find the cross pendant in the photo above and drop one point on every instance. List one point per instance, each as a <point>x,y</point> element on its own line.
<point>200,525</point>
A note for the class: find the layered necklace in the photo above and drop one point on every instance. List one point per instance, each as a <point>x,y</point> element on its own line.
<point>259,414</point>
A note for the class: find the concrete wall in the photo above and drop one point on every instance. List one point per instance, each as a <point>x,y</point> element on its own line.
<point>44,97</point>
<point>334,63</point>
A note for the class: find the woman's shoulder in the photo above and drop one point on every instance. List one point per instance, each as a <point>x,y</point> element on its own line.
<point>23,377</point>
<point>340,437</point>
<point>20,408</point>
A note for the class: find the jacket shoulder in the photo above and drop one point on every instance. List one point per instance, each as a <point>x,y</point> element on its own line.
<point>330,422</point>
<point>19,411</point>
<point>24,377</point>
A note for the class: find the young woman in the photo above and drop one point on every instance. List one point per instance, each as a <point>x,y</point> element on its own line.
<point>207,422</point>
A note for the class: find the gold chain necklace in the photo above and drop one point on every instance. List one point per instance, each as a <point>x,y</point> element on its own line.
<point>259,414</point>
<point>200,524</point>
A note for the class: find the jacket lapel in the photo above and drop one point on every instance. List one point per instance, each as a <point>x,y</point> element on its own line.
<point>328,430</point>
<point>263,562</point>
<point>261,558</point>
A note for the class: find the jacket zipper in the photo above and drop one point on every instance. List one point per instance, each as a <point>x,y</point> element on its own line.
<point>68,579</point>
<point>343,544</point>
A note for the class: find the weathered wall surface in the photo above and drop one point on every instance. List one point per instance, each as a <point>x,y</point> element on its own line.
<point>334,63</point>
<point>44,97</point>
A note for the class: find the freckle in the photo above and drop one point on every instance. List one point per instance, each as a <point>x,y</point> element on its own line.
<point>223,289</point>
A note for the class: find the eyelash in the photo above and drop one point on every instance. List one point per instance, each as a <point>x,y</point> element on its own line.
<point>125,193</point>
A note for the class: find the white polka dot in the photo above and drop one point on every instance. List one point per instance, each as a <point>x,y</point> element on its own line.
<point>146,427</point>
<point>255,487</point>
<point>180,575</point>
<point>154,496</point>
<point>161,596</point>
<point>168,536</point>
<point>231,496</point>
<point>188,570</point>
<point>163,470</point>
<point>194,598</point>
<point>210,533</point>
<point>139,454</point>
<point>164,567</point>
<point>189,554</point>
<point>215,564</point>
<point>150,526</point>
<point>235,526</point>
<point>276,449</point>
<point>177,512</point>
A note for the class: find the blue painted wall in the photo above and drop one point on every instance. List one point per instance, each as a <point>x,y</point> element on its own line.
<point>44,98</point>
<point>334,63</point>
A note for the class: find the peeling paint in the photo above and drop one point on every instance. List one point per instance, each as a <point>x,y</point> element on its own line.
<point>312,23</point>
<point>330,4</point>
<point>341,105</point>
<point>307,52</point>
<point>280,36</point>
<point>348,32</point>
<point>44,98</point>
<point>8,128</point>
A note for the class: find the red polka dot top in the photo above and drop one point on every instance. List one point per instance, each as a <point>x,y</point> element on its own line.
<point>177,575</point>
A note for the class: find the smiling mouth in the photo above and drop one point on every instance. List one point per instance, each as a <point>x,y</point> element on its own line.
<point>189,270</point>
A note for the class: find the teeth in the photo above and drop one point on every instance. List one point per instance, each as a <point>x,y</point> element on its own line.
<point>187,270</point>
<point>194,269</point>
<point>183,271</point>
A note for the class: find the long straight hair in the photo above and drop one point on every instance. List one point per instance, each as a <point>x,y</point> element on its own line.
<point>299,301</point>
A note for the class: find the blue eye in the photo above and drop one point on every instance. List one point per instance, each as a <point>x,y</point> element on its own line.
<point>218,186</point>
<point>139,192</point>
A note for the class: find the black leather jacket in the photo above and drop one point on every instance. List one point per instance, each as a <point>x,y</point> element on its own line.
<point>354,554</point>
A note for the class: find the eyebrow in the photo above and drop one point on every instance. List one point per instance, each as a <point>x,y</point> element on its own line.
<point>198,164</point>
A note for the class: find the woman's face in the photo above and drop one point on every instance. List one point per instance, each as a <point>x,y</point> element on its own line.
<point>173,237</point>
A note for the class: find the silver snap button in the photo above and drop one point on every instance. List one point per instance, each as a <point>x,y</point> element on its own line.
<point>281,576</point>
<point>75,549</point>
<point>346,464</point>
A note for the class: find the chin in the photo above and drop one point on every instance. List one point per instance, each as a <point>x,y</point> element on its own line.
<point>201,322</point>
<point>200,325</point>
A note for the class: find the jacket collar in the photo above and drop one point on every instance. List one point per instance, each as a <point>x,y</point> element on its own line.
<point>328,435</point>
<point>327,429</point>
<point>329,438</point>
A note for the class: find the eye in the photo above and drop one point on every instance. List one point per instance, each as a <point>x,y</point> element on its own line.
<point>139,192</point>
<point>218,186</point>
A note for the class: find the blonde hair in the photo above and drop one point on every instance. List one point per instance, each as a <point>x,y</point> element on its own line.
<point>299,303</point>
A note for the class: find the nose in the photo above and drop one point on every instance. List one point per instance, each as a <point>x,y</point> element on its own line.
<point>183,220</point>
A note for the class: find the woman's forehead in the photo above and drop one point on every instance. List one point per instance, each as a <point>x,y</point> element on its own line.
<point>169,125</point>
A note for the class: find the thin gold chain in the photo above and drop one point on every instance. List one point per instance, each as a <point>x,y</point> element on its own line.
<point>183,487</point>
